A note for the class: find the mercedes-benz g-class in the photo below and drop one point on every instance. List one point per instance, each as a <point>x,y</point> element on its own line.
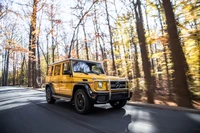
<point>85,83</point>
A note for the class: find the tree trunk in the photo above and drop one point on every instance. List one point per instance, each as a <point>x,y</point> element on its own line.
<point>52,33</point>
<point>30,58</point>
<point>144,54</point>
<point>4,68</point>
<point>181,85</point>
<point>104,56</point>
<point>164,50</point>
<point>34,42</point>
<point>151,60</point>
<point>77,45</point>
<point>38,67</point>
<point>111,43</point>
<point>125,57</point>
<point>137,72</point>
<point>150,44</point>
<point>47,61</point>
<point>7,67</point>
<point>14,69</point>
<point>96,46</point>
<point>22,71</point>
<point>85,41</point>
<point>96,32</point>
<point>77,49</point>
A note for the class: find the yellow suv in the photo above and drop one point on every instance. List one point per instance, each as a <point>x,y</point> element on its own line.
<point>85,83</point>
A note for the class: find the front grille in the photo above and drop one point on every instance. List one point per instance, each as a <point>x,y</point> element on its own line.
<point>118,84</point>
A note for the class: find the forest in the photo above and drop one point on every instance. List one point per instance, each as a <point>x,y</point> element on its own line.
<point>154,43</point>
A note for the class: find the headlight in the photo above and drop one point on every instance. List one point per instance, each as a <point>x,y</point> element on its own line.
<point>100,85</point>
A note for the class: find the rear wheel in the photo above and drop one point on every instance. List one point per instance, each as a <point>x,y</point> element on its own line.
<point>118,104</point>
<point>49,97</point>
<point>82,102</point>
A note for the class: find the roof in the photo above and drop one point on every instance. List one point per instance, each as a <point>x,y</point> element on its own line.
<point>74,60</point>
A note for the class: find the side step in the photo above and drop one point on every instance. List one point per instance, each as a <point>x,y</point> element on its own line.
<point>62,97</point>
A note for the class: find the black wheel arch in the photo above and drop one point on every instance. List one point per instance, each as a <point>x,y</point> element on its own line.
<point>83,86</point>
<point>51,87</point>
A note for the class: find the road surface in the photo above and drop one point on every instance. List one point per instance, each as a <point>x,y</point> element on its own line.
<point>24,110</point>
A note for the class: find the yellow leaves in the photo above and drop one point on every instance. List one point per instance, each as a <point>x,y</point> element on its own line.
<point>116,52</point>
<point>154,15</point>
<point>187,8</point>
<point>157,55</point>
<point>13,46</point>
<point>189,34</point>
<point>34,32</point>
<point>118,24</point>
<point>20,49</point>
<point>152,6</point>
<point>192,49</point>
<point>152,40</point>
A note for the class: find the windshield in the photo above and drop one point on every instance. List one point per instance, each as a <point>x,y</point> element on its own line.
<point>87,67</point>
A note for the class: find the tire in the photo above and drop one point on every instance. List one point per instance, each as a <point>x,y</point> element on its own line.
<point>82,103</point>
<point>49,97</point>
<point>118,104</point>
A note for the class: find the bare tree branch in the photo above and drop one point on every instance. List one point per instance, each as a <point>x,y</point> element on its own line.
<point>80,20</point>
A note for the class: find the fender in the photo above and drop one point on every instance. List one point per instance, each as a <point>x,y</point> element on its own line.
<point>51,87</point>
<point>85,86</point>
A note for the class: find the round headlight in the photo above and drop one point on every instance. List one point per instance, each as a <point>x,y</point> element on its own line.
<point>100,85</point>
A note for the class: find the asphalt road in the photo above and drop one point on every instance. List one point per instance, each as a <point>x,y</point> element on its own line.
<point>26,111</point>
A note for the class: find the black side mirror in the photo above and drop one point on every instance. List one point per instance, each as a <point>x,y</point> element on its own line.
<point>67,72</point>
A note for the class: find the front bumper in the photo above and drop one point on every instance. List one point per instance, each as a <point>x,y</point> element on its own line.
<point>99,97</point>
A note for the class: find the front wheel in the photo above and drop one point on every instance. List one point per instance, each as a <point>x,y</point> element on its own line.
<point>82,102</point>
<point>118,104</point>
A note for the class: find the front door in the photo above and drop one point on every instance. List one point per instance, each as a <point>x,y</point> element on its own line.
<point>66,81</point>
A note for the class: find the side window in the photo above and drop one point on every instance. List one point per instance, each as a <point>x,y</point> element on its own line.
<point>57,70</point>
<point>50,71</point>
<point>66,68</point>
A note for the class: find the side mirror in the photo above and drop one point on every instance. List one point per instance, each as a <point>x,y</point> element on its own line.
<point>67,72</point>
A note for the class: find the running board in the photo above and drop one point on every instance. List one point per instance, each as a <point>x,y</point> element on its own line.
<point>61,97</point>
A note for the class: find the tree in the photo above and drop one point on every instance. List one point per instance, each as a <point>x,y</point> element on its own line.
<point>143,50</point>
<point>159,8</point>
<point>32,70</point>
<point>178,57</point>
<point>110,35</point>
<point>77,25</point>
